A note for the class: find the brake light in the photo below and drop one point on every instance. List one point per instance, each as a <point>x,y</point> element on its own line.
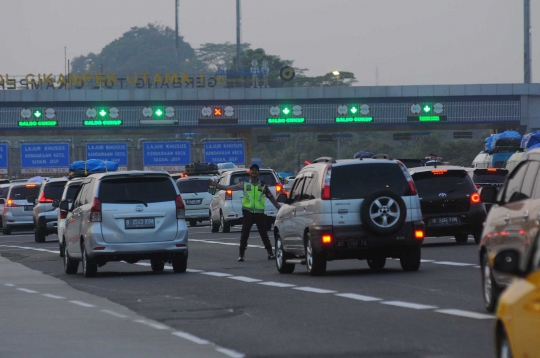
<point>418,234</point>
<point>306,162</point>
<point>475,198</point>
<point>279,187</point>
<point>180,208</point>
<point>327,239</point>
<point>409,178</point>
<point>439,172</point>
<point>30,185</point>
<point>491,169</point>
<point>325,189</point>
<point>11,204</point>
<point>43,199</point>
<point>95,211</point>
<point>228,194</point>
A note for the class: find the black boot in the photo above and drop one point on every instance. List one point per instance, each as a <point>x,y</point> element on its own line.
<point>271,255</point>
<point>242,256</point>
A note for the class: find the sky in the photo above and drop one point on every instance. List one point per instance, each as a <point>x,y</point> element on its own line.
<point>411,42</point>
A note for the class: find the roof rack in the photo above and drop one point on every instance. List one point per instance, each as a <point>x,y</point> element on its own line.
<point>324,160</point>
<point>381,156</point>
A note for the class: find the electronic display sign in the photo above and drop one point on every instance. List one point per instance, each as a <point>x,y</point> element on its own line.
<point>353,120</point>
<point>291,120</point>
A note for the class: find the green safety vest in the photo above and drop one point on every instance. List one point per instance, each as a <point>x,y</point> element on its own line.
<point>253,197</point>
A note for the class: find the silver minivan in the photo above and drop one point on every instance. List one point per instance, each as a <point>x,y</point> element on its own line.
<point>125,216</point>
<point>17,211</point>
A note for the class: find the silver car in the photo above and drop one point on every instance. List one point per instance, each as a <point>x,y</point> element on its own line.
<point>45,214</point>
<point>70,190</point>
<point>194,190</point>
<point>17,211</point>
<point>125,216</point>
<point>4,189</point>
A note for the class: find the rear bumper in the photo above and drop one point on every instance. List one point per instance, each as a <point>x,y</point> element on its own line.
<point>471,223</point>
<point>197,214</point>
<point>355,242</point>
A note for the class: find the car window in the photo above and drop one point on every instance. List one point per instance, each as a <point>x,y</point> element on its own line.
<point>89,193</point>
<point>528,182</point>
<point>296,191</point>
<point>486,176</point>
<point>22,192</point>
<point>512,192</point>
<point>431,183</point>
<point>193,186</point>
<point>360,180</point>
<point>267,177</point>
<point>71,192</point>
<point>307,191</point>
<point>4,191</point>
<point>412,163</point>
<point>146,189</point>
<point>54,191</point>
<point>80,196</point>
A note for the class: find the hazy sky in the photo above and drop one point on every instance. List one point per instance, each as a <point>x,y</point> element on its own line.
<point>411,41</point>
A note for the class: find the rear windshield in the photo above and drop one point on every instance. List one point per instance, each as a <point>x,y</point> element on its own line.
<point>22,192</point>
<point>192,186</point>
<point>4,192</point>
<point>485,176</point>
<point>359,181</point>
<point>267,177</point>
<point>130,190</point>
<point>54,191</point>
<point>412,163</point>
<point>72,191</point>
<point>450,182</point>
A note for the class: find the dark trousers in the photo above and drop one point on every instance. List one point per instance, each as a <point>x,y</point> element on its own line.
<point>260,220</point>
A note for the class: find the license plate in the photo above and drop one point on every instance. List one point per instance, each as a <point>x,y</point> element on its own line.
<point>451,221</point>
<point>351,243</point>
<point>193,201</point>
<point>28,208</point>
<point>140,223</point>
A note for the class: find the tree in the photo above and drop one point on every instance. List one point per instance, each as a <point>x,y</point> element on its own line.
<point>218,56</point>
<point>329,79</point>
<point>142,49</point>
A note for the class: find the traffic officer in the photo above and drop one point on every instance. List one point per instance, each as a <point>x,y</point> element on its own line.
<point>255,192</point>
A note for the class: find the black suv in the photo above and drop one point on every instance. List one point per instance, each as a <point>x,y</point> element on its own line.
<point>450,203</point>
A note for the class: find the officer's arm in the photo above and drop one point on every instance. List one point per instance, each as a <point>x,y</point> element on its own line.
<point>239,186</point>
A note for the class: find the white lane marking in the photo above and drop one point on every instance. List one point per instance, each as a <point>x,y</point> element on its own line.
<point>27,290</point>
<point>141,264</point>
<point>9,285</point>
<point>217,274</point>
<point>415,306</point>
<point>115,314</point>
<point>152,324</point>
<point>225,243</point>
<point>54,296</point>
<point>276,284</point>
<point>452,263</point>
<point>476,266</point>
<point>82,304</point>
<point>31,248</point>
<point>313,289</point>
<point>355,296</point>
<point>244,279</point>
<point>194,271</point>
<point>468,314</point>
<point>191,337</point>
<point>230,352</point>
<point>427,260</point>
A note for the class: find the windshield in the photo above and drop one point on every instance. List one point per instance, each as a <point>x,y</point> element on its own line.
<point>193,186</point>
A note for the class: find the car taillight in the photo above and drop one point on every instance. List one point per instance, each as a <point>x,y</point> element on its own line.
<point>279,188</point>
<point>228,194</point>
<point>409,178</point>
<point>62,214</point>
<point>43,199</point>
<point>325,189</point>
<point>11,204</point>
<point>180,208</point>
<point>327,239</point>
<point>475,198</point>
<point>95,211</point>
<point>491,169</point>
<point>418,234</point>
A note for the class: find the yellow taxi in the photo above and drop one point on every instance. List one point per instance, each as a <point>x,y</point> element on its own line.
<point>517,332</point>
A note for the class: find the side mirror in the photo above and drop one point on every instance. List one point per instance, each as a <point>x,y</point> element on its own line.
<point>2,201</point>
<point>55,203</point>
<point>65,205</point>
<point>507,261</point>
<point>31,199</point>
<point>281,198</point>
<point>488,194</point>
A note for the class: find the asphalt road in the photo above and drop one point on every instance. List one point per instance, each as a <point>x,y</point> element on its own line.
<point>250,309</point>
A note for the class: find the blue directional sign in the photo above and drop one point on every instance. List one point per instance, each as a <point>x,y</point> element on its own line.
<point>167,156</point>
<point>114,152</point>
<point>45,158</point>
<point>3,158</point>
<point>223,152</point>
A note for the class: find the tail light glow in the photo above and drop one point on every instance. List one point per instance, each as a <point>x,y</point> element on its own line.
<point>491,169</point>
<point>325,190</point>
<point>43,199</point>
<point>95,211</point>
<point>475,198</point>
<point>180,207</point>
<point>439,172</point>
<point>327,239</point>
<point>11,204</point>
<point>228,194</point>
<point>418,234</point>
<point>279,188</point>
<point>30,185</point>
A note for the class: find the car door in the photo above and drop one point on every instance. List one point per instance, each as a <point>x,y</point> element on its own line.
<point>303,217</point>
<point>289,213</point>
<point>74,220</point>
<point>215,202</point>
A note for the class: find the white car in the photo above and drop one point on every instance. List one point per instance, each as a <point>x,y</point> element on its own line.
<point>226,205</point>
<point>194,191</point>
<point>70,190</point>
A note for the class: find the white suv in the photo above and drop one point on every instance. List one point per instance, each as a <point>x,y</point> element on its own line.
<point>194,191</point>
<point>125,216</point>
<point>364,209</point>
<point>226,205</point>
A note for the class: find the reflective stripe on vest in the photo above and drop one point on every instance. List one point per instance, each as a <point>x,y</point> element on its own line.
<point>253,200</point>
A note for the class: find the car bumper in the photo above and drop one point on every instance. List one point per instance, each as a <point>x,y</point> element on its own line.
<point>197,214</point>
<point>471,223</point>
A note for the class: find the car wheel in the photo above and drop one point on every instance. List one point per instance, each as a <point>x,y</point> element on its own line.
<point>157,265</point>
<point>179,263</point>
<point>503,345</point>
<point>6,230</point>
<point>61,249</point>
<point>491,290</point>
<point>70,266</point>
<point>315,262</point>
<point>39,236</point>
<point>462,238</point>
<point>376,263</point>
<point>410,259</point>
<point>383,212</point>
<point>225,227</point>
<point>281,257</point>
<point>89,266</point>
<point>192,223</point>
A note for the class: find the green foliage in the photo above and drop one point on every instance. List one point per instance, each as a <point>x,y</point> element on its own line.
<point>216,56</point>
<point>329,79</point>
<point>142,49</point>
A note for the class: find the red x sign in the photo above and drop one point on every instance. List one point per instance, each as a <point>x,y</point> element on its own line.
<point>218,112</point>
